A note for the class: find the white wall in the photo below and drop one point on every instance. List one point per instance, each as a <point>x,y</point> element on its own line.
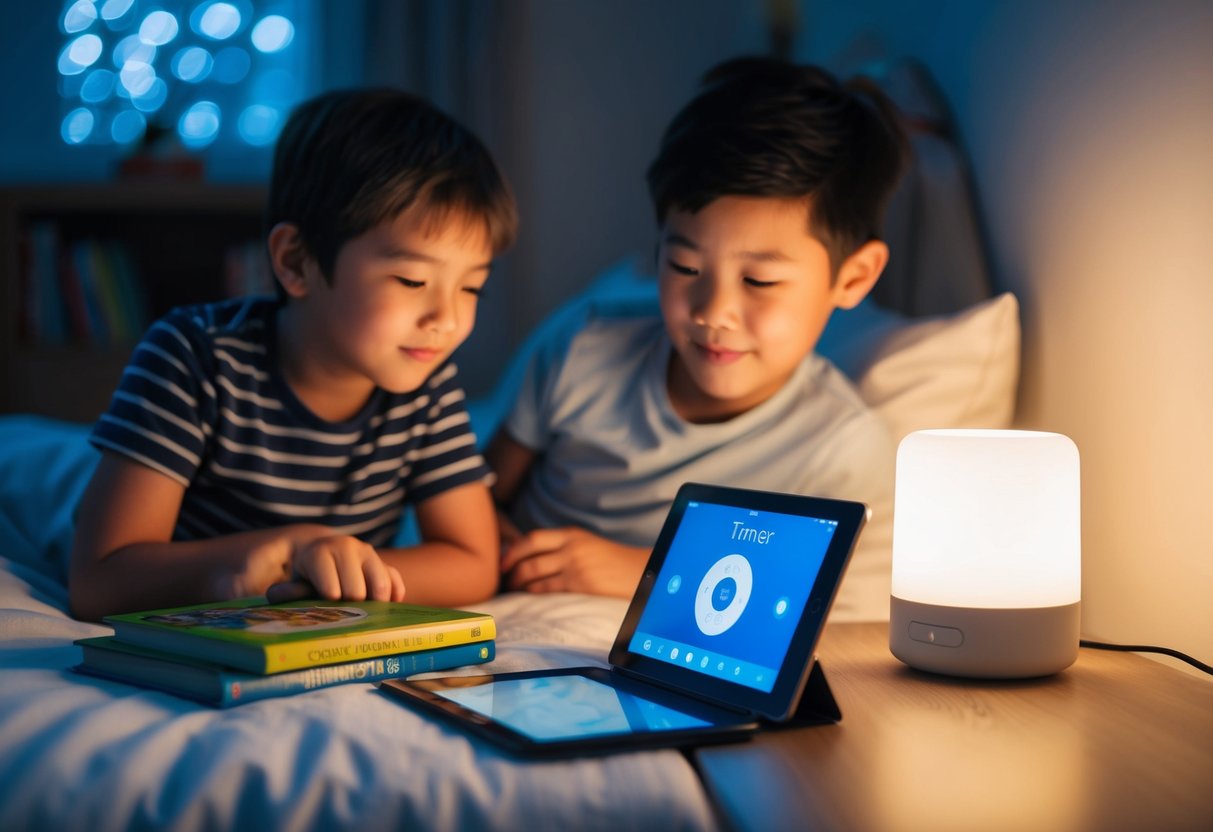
<point>1090,125</point>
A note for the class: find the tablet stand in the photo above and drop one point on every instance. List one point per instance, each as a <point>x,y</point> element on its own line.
<point>817,705</point>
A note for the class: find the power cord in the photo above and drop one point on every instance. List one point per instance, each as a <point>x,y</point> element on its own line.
<point>1145,648</point>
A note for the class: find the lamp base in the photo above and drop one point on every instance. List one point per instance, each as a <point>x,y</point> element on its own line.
<point>984,643</point>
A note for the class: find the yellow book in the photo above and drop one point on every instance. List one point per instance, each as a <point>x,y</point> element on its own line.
<point>249,634</point>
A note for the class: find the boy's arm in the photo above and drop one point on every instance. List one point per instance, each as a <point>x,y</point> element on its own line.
<point>511,462</point>
<point>123,559</point>
<point>556,560</point>
<point>457,562</point>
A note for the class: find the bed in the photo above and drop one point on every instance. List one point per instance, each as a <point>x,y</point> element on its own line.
<point>79,753</point>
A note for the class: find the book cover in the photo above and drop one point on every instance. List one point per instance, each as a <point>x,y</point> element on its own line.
<point>221,687</point>
<point>249,634</point>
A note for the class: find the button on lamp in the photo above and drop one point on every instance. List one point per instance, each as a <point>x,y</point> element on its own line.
<point>986,553</point>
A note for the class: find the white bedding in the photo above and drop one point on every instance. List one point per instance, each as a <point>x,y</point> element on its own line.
<point>78,753</point>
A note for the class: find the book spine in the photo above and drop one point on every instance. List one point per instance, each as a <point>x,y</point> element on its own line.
<point>105,283</point>
<point>73,300</point>
<point>126,282</point>
<point>52,322</point>
<point>240,688</point>
<point>82,257</point>
<point>355,647</point>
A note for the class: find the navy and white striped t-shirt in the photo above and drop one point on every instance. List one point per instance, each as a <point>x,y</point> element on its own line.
<point>203,401</point>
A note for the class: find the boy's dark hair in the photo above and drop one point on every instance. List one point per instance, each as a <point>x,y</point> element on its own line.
<point>767,128</point>
<point>349,160</point>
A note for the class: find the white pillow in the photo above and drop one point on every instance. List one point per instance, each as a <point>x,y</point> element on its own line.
<point>945,371</point>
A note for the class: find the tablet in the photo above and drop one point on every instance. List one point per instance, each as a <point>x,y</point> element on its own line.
<point>719,636</point>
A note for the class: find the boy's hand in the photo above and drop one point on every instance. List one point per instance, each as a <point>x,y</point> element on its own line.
<point>571,559</point>
<point>341,566</point>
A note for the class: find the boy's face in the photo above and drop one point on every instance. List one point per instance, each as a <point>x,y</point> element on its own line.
<point>745,294</point>
<point>402,298</point>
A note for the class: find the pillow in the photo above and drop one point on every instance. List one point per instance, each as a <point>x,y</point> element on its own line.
<point>944,371</point>
<point>959,370</point>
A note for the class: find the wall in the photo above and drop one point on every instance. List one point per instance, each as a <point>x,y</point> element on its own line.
<point>1090,125</point>
<point>573,97</point>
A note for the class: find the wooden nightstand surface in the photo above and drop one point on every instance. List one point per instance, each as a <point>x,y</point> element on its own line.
<point>1114,742</point>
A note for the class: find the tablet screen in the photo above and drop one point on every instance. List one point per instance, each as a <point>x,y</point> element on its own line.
<point>572,710</point>
<point>729,594</point>
<point>548,708</point>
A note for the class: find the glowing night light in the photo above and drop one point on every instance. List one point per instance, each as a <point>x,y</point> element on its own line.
<point>986,553</point>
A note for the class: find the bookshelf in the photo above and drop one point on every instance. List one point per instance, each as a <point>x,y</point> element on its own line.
<point>85,269</point>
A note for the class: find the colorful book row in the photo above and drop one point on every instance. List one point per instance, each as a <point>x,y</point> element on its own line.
<point>88,291</point>
<point>83,291</point>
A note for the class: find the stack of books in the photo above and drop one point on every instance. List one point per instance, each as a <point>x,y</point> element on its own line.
<point>232,652</point>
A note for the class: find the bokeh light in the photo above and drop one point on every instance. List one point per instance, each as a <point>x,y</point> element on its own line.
<point>128,127</point>
<point>98,86</point>
<point>77,125</point>
<point>192,64</point>
<point>158,28</point>
<point>114,10</point>
<point>273,33</point>
<point>259,124</point>
<point>80,54</point>
<point>199,124</point>
<point>79,16</point>
<point>212,72</point>
<point>218,21</point>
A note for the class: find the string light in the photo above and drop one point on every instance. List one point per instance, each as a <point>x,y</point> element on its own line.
<point>213,72</point>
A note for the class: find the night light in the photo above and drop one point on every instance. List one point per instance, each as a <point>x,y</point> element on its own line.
<point>986,553</point>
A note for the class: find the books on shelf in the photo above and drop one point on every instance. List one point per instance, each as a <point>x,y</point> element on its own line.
<point>219,686</point>
<point>87,289</point>
<point>83,291</point>
<point>251,635</point>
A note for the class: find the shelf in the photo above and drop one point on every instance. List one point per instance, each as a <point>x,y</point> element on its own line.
<point>85,269</point>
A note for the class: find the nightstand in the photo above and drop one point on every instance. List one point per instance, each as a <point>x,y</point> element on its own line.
<point>1116,741</point>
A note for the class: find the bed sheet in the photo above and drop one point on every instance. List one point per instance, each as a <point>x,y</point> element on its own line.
<point>78,753</point>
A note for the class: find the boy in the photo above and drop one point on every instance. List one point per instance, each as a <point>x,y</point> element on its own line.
<point>261,441</point>
<point>769,188</point>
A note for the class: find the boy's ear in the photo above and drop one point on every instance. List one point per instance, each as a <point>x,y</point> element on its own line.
<point>860,272</point>
<point>289,258</point>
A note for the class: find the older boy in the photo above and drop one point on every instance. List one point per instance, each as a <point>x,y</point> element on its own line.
<point>263,440</point>
<point>769,188</point>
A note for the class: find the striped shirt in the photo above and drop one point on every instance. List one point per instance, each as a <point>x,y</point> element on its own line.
<point>204,403</point>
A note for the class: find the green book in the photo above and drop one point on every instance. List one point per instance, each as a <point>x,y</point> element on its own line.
<point>212,684</point>
<point>249,634</point>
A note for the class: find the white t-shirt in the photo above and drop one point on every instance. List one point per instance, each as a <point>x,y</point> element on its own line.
<point>613,451</point>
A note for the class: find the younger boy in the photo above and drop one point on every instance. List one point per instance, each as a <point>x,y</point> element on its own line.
<point>263,440</point>
<point>769,188</point>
